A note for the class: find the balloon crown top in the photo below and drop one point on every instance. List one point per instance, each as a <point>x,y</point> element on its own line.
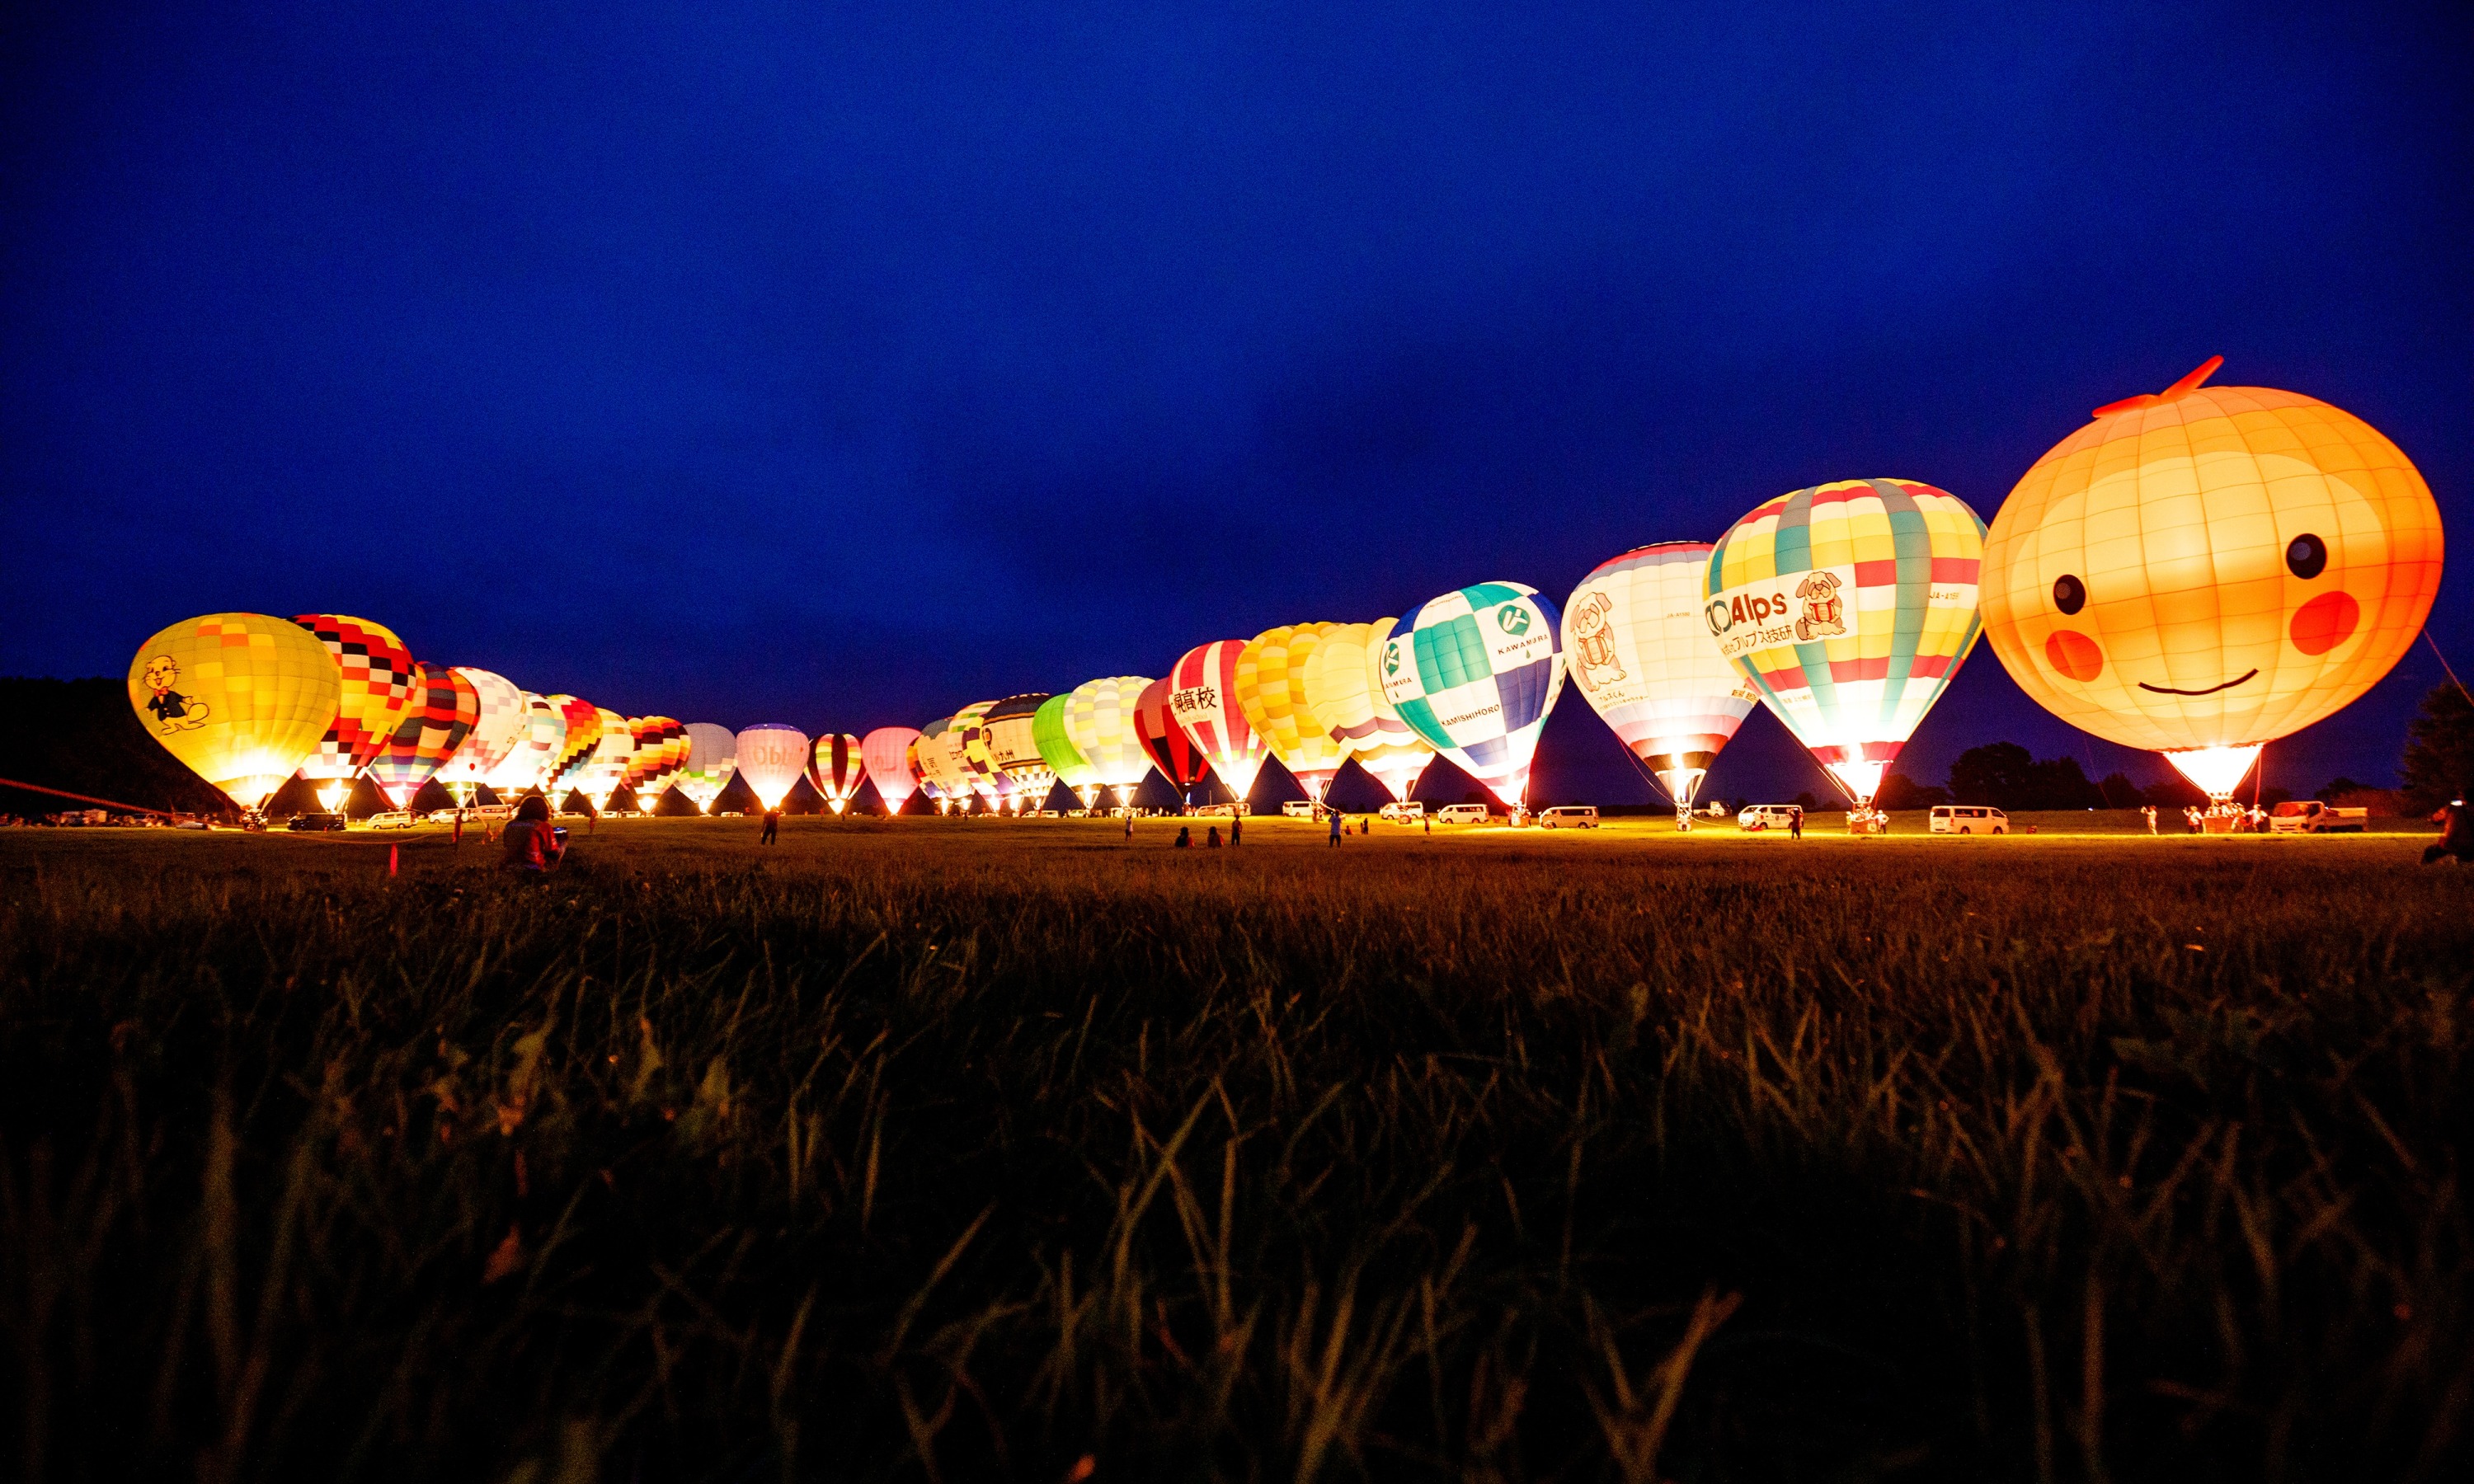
<point>2173,394</point>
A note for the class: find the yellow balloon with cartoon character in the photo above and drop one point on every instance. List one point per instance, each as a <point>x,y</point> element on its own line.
<point>240,698</point>
<point>2202,570</point>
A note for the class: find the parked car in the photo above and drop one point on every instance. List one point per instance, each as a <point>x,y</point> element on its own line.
<point>1461,814</point>
<point>1402,813</point>
<point>1968,819</point>
<point>306,824</point>
<point>1569,816</point>
<point>1299,808</point>
<point>392,818</point>
<point>1757,818</point>
<point>2311,817</point>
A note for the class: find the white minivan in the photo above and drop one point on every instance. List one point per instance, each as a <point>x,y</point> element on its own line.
<point>1299,808</point>
<point>1569,816</point>
<point>1460,814</point>
<point>1968,819</point>
<point>1761,818</point>
<point>1399,813</point>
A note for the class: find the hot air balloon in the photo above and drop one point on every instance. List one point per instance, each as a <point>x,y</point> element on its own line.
<point>1475,673</point>
<point>713,758</point>
<point>1849,606</point>
<point>1099,722</point>
<point>918,771</point>
<point>1171,751</point>
<point>2206,569</point>
<point>241,699</point>
<point>1013,749</point>
<point>438,715</point>
<point>497,726</point>
<point>941,770</point>
<point>661,748</point>
<point>575,749</point>
<point>536,751</point>
<point>974,764</point>
<point>1638,646</point>
<point>885,753</point>
<point>1064,760</point>
<point>613,753</point>
<point>1203,697</point>
<point>771,757</point>
<point>837,768</point>
<point>1342,690</point>
<point>378,672</point>
<point>1270,690</point>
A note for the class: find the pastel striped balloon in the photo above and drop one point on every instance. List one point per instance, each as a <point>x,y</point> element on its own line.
<point>711,762</point>
<point>1099,720</point>
<point>1475,673</point>
<point>1202,698</point>
<point>498,725</point>
<point>529,762</point>
<point>1270,690</point>
<point>1640,652</point>
<point>885,753</point>
<point>1849,606</point>
<point>1344,691</point>
<point>612,751</point>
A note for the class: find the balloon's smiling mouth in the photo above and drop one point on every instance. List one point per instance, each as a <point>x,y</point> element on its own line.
<point>2168,690</point>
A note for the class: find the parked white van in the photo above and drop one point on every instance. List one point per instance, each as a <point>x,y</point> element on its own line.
<point>1399,813</point>
<point>1968,819</point>
<point>1461,814</point>
<point>1299,808</point>
<point>1760,817</point>
<point>392,818</point>
<point>1569,816</point>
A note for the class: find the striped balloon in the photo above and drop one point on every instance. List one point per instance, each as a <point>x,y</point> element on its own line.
<point>614,752</point>
<point>1641,654</point>
<point>1475,673</point>
<point>711,762</point>
<point>576,750</point>
<point>837,768</point>
<point>886,753</point>
<point>918,771</point>
<point>1341,692</point>
<point>529,762</point>
<point>1099,722</point>
<point>377,677</point>
<point>497,728</point>
<point>438,715</point>
<point>660,747</point>
<point>771,757</point>
<point>1203,697</point>
<point>1849,606</point>
<point>1057,749</point>
<point>1171,750</point>
<point>974,764</point>
<point>1013,726</point>
<point>1270,689</point>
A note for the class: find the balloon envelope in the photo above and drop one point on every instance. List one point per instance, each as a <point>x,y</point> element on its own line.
<point>438,715</point>
<point>1171,750</point>
<point>497,726</point>
<point>1342,690</point>
<point>1057,749</point>
<point>575,749</point>
<point>1849,606</point>
<point>241,699</point>
<point>1203,697</point>
<point>1270,682</point>
<point>1640,649</point>
<point>376,675</point>
<point>771,757</point>
<point>1475,673</point>
<point>1098,721</point>
<point>837,768</point>
<point>885,753</point>
<point>536,748</point>
<point>711,761</point>
<point>2211,569</point>
<point>1012,728</point>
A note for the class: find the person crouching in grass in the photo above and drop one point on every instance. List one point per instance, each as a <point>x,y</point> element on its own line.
<point>531,842</point>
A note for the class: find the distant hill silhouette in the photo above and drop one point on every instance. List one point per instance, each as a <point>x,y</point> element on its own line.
<point>81,735</point>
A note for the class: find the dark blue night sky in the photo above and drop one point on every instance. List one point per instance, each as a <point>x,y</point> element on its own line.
<point>747,363</point>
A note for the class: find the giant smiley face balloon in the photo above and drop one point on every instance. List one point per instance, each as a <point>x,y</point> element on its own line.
<point>2203,570</point>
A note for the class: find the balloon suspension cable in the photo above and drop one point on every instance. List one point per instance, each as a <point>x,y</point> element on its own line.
<point>2443,664</point>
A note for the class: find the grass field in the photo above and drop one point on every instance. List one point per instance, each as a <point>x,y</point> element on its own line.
<point>996,1150</point>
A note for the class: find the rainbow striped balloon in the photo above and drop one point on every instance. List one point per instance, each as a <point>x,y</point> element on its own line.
<point>1849,606</point>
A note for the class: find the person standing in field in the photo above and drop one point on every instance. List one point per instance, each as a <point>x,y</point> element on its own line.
<point>1795,824</point>
<point>2148,812</point>
<point>772,827</point>
<point>1236,827</point>
<point>532,843</point>
<point>1130,825</point>
<point>1335,826</point>
<point>2455,824</point>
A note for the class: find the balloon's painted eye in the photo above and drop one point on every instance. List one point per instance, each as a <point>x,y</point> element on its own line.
<point>2307,556</point>
<point>2070,594</point>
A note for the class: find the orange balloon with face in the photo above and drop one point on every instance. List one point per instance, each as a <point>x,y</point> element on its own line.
<point>2203,570</point>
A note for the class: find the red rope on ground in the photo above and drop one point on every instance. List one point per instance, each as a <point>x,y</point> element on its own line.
<point>108,803</point>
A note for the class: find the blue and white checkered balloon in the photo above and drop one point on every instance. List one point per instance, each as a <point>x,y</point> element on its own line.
<point>1474,672</point>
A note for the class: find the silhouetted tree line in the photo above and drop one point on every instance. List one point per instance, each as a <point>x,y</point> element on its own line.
<point>82,736</point>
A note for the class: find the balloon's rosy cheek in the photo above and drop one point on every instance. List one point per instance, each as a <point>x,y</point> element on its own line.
<point>2075,655</point>
<point>2326,622</point>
